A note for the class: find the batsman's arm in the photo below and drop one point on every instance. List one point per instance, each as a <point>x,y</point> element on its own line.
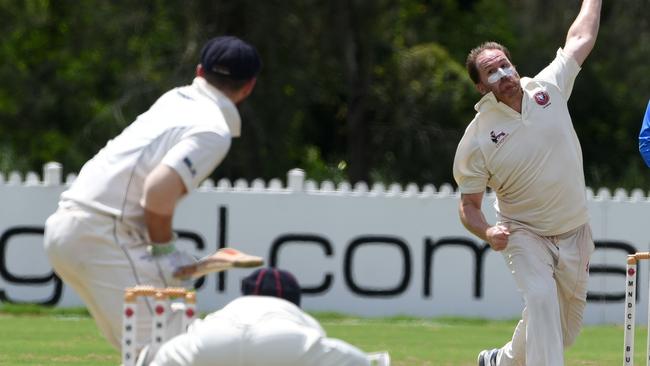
<point>473,219</point>
<point>163,188</point>
<point>582,34</point>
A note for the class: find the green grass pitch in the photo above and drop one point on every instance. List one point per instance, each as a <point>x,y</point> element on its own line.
<point>38,336</point>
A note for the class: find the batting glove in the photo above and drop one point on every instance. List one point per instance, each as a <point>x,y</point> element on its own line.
<point>168,259</point>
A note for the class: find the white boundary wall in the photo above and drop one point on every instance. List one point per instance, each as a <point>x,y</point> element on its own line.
<point>370,251</point>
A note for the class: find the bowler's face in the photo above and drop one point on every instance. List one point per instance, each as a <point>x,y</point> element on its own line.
<point>497,74</point>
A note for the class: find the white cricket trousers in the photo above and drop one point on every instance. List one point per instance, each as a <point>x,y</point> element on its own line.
<point>551,272</point>
<point>99,257</point>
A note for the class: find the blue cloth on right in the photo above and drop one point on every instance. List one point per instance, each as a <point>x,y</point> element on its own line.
<point>644,137</point>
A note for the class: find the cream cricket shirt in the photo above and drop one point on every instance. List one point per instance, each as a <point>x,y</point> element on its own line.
<point>532,160</point>
<point>188,128</point>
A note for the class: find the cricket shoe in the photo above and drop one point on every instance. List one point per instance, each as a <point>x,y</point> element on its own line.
<point>223,259</point>
<point>379,358</point>
<point>488,357</point>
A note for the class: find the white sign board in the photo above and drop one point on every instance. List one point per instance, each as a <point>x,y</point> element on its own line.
<point>360,252</point>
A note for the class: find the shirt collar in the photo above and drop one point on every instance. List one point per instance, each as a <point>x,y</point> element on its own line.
<point>489,101</point>
<point>228,108</point>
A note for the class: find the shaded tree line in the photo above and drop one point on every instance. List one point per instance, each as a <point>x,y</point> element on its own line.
<point>350,89</point>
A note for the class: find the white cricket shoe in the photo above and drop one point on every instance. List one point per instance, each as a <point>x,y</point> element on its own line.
<point>379,358</point>
<point>488,357</point>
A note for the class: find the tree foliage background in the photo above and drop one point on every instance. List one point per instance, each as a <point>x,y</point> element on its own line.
<point>350,90</point>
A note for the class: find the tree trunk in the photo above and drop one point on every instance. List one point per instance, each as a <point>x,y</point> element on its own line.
<point>357,56</point>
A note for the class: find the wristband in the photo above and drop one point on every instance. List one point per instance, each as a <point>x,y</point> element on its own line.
<point>159,249</point>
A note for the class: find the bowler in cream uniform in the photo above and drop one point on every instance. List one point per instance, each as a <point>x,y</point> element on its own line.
<point>522,145</point>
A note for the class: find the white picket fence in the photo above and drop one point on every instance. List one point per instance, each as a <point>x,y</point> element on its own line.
<point>296,182</point>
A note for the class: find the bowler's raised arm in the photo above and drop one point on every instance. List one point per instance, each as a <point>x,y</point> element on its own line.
<point>582,34</point>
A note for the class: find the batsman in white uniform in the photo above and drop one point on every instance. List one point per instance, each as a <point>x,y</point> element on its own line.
<point>265,327</point>
<point>113,226</point>
<point>523,146</point>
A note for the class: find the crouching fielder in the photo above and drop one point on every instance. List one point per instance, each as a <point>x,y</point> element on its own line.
<point>266,327</point>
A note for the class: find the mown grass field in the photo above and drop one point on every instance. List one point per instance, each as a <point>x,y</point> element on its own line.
<point>40,336</point>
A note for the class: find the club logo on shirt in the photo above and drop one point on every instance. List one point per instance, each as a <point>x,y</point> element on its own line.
<point>190,166</point>
<point>498,138</point>
<point>542,98</point>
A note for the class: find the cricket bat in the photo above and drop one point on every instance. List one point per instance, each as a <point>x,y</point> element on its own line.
<point>223,259</point>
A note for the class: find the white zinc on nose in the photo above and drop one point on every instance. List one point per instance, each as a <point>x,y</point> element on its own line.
<point>501,73</point>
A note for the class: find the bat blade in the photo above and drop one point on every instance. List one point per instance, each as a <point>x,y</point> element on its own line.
<point>223,259</point>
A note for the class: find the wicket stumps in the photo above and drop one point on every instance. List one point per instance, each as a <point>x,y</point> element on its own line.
<point>630,309</point>
<point>161,310</point>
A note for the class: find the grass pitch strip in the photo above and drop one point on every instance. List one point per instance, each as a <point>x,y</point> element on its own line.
<point>31,335</point>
